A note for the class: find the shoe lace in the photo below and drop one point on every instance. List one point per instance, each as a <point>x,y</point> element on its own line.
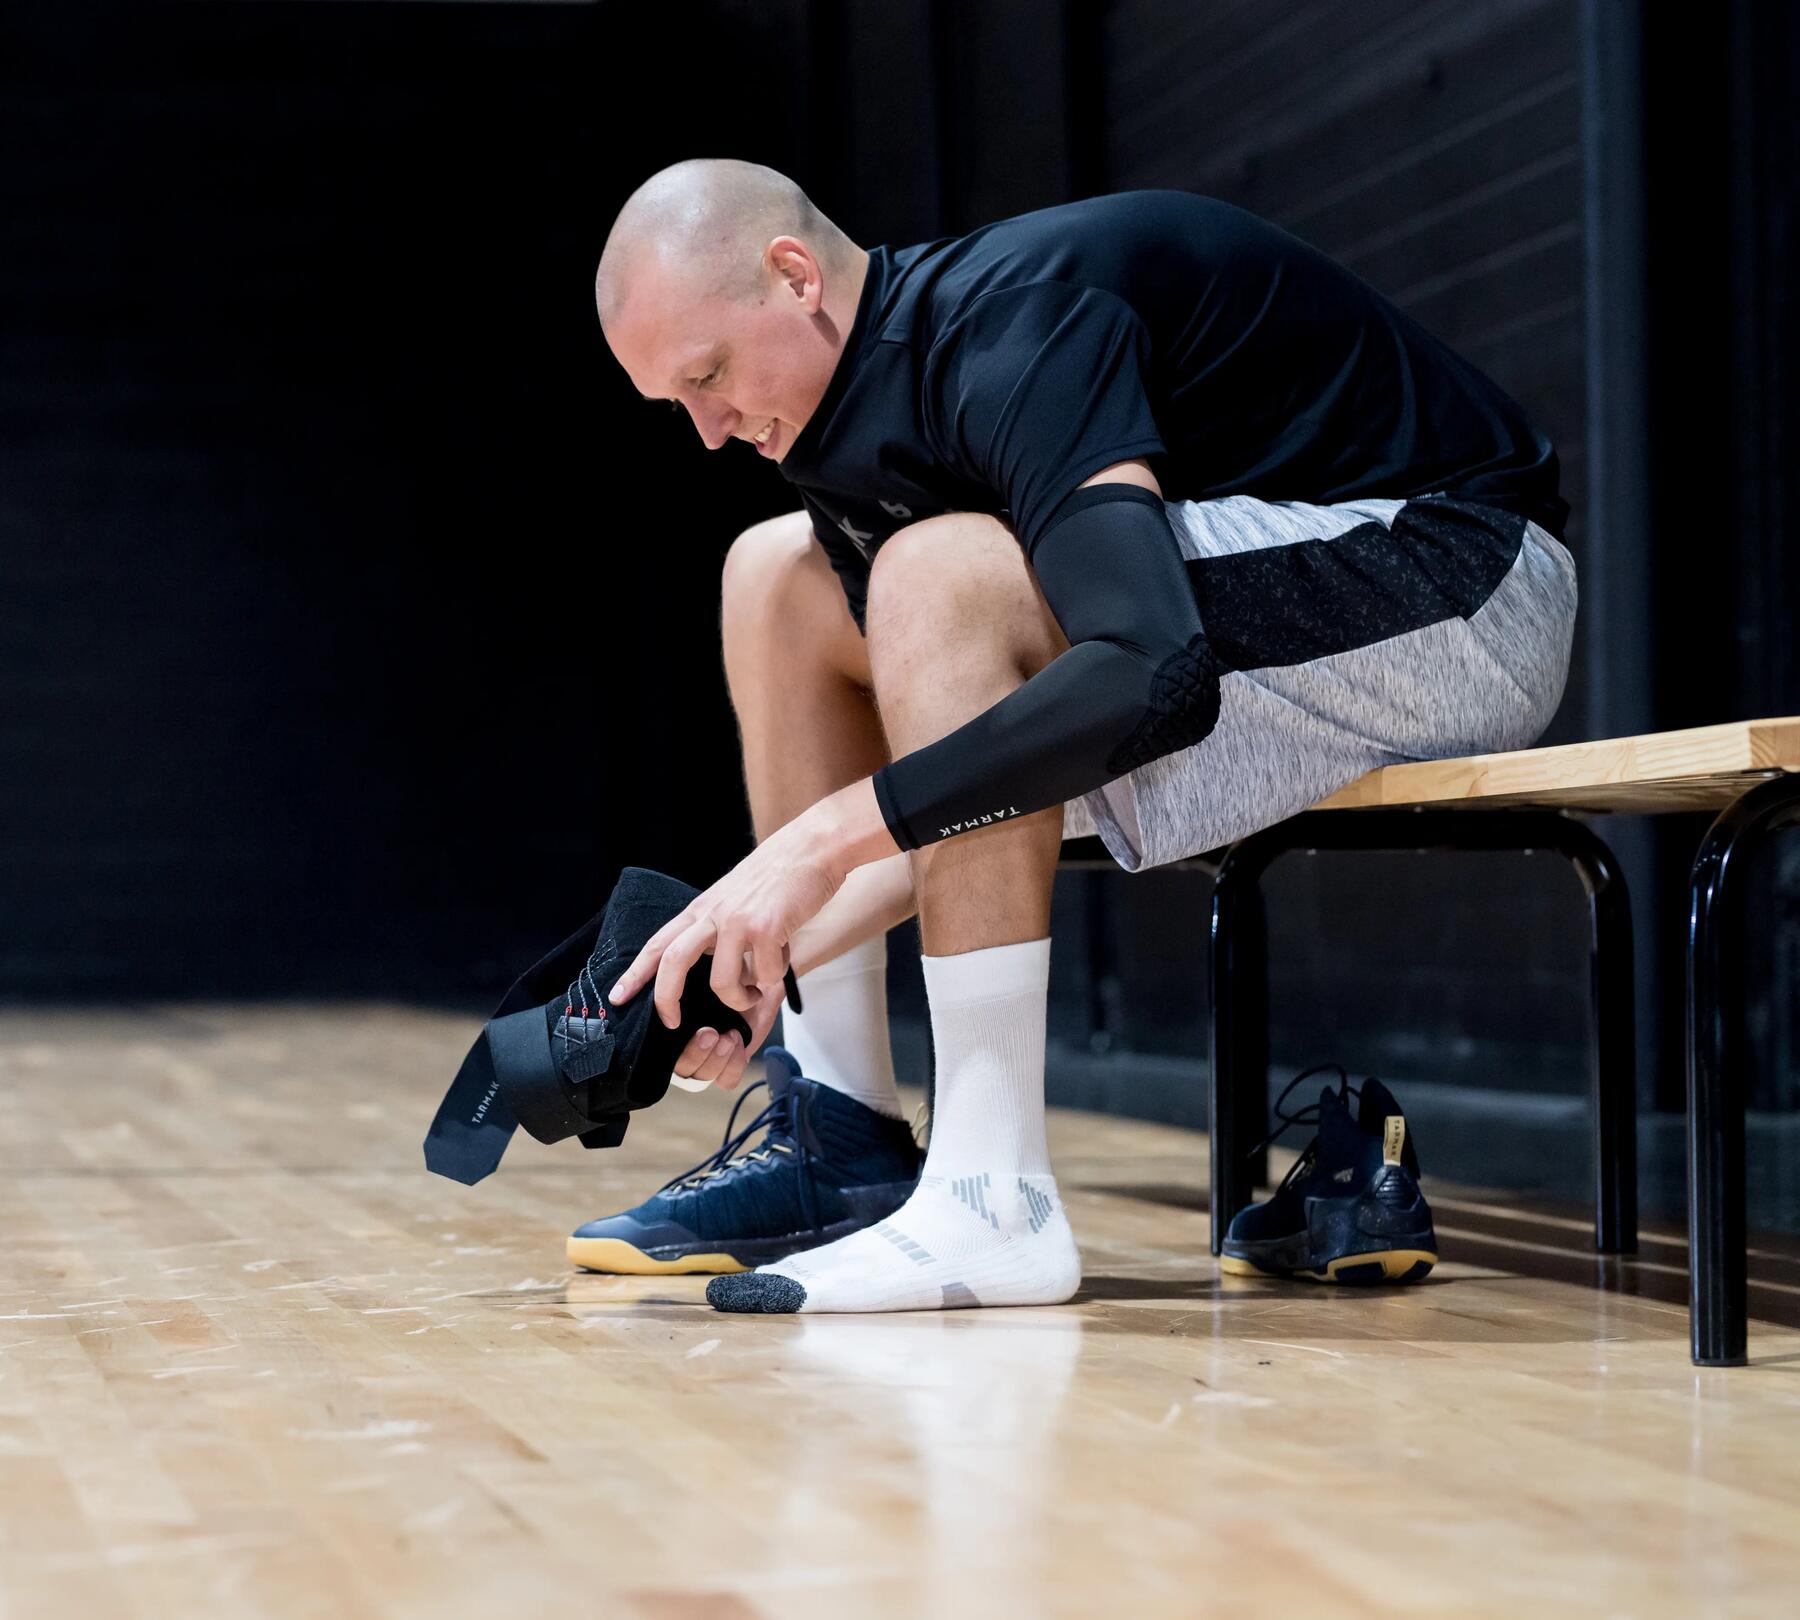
<point>1307,1114</point>
<point>777,1117</point>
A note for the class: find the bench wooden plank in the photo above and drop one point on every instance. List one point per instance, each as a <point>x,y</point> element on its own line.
<point>1700,769</point>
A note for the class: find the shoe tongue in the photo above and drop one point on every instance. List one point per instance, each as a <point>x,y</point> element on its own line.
<point>1337,1131</point>
<point>827,1123</point>
<point>781,1070</point>
<point>1377,1107</point>
<point>1377,1103</point>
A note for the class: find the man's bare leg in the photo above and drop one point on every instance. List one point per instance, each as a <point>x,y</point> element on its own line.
<point>956,622</point>
<point>964,627</point>
<point>798,673</point>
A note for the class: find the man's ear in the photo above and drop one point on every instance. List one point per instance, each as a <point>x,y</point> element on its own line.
<point>796,271</point>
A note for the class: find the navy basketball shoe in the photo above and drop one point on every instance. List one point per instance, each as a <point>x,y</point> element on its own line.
<point>827,1167</point>
<point>1350,1209</point>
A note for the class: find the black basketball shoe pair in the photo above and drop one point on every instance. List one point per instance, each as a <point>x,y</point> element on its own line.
<point>1350,1209</point>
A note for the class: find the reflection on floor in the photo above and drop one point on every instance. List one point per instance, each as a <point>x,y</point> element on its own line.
<point>253,1360</point>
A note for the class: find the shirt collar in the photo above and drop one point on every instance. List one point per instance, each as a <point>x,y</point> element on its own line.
<point>874,291</point>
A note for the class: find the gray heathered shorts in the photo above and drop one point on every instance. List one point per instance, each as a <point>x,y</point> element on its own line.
<point>1484,677</point>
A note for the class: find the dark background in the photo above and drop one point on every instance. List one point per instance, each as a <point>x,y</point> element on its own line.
<point>360,622</point>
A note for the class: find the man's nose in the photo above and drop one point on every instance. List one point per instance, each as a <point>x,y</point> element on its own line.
<point>714,425</point>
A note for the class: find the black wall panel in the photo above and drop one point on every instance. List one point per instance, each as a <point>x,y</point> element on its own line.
<point>1435,150</point>
<point>327,524</point>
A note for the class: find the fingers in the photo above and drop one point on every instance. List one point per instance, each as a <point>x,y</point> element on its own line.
<point>761,1020</point>
<point>771,963</point>
<point>727,978</point>
<point>748,961</point>
<point>723,1059</point>
<point>704,1058</point>
<point>691,1056</point>
<point>671,972</point>
<point>644,964</point>
<point>725,1048</point>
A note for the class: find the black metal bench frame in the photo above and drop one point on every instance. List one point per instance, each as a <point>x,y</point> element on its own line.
<point>1717,1051</point>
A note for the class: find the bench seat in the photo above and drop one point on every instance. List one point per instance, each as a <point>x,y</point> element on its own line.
<point>1706,768</point>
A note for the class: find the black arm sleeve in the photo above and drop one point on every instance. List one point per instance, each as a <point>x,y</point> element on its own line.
<point>1137,682</point>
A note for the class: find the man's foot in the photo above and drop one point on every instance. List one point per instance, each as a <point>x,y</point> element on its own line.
<point>827,1167</point>
<point>1350,1209</point>
<point>973,1239</point>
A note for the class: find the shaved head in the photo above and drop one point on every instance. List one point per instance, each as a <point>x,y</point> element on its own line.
<point>723,290</point>
<point>702,226</point>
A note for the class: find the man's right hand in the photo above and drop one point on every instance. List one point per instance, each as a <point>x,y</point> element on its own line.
<point>721,1062</point>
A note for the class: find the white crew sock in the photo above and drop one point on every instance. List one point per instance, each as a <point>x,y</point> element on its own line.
<point>986,1224</point>
<point>841,1040</point>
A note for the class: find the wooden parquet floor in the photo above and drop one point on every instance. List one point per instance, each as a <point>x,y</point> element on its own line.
<point>255,1361</point>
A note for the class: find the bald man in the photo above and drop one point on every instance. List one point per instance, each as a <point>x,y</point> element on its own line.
<point>1135,517</point>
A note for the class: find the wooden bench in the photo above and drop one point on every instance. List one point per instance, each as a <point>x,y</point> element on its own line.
<point>1748,772</point>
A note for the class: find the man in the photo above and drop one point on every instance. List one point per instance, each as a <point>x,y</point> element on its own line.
<point>1135,516</point>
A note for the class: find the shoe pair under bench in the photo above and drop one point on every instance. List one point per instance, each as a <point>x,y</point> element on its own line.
<point>1349,1210</point>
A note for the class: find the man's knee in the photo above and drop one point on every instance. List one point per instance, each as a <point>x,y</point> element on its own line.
<point>778,581</point>
<point>959,580</point>
<point>767,562</point>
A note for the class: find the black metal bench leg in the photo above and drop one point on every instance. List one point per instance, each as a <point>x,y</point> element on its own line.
<point>1238,1026</point>
<point>1717,1055</point>
<point>1613,1063</point>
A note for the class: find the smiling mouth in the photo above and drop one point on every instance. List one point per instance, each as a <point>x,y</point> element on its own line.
<point>763,437</point>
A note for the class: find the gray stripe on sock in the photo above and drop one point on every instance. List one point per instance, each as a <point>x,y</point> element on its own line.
<point>913,1251</point>
<point>1037,1203</point>
<point>972,1191</point>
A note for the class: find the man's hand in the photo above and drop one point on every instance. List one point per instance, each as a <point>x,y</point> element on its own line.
<point>745,921</point>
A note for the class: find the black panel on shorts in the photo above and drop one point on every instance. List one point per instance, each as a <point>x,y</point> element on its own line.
<point>1441,558</point>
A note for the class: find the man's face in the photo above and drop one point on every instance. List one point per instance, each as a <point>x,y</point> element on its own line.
<point>750,370</point>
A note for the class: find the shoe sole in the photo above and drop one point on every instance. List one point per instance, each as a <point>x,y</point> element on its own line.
<point>620,1256</point>
<point>1386,1265</point>
<point>616,1256</point>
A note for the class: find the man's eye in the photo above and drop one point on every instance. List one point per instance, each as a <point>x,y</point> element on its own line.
<point>710,378</point>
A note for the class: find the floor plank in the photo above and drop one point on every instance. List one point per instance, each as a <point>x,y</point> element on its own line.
<point>255,1361</point>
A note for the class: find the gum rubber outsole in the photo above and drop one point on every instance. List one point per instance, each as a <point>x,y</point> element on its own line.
<point>1391,1265</point>
<point>617,1256</point>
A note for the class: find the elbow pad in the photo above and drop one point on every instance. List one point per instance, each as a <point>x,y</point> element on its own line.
<point>1109,560</point>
